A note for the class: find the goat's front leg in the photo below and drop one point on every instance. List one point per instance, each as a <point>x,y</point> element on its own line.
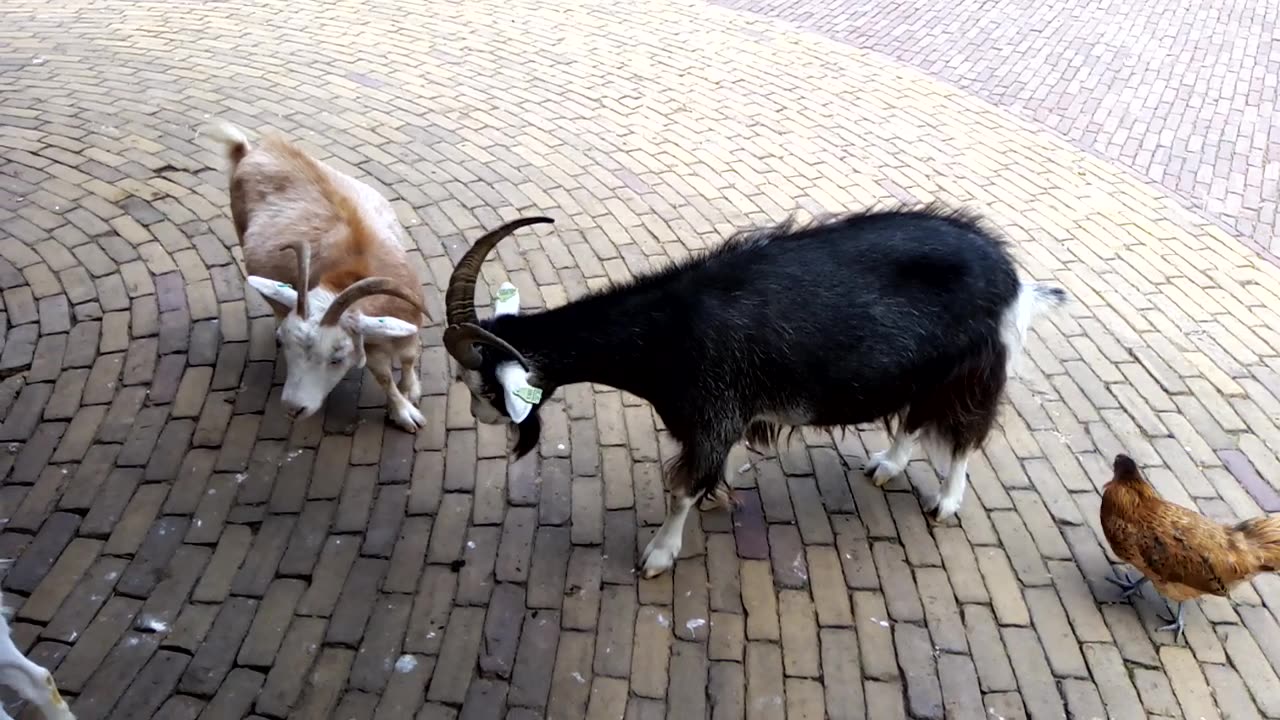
<point>888,464</point>
<point>410,385</point>
<point>691,477</point>
<point>660,554</point>
<point>402,412</point>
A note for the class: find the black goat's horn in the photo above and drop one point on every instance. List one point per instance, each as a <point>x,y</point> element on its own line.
<point>461,341</point>
<point>460,298</point>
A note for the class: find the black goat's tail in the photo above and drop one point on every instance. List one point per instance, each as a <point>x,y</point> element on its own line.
<point>1033,300</point>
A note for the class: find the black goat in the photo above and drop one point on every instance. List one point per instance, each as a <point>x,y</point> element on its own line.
<point>911,317</point>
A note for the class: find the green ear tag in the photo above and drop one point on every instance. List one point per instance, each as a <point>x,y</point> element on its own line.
<point>284,285</point>
<point>529,394</point>
<point>506,294</point>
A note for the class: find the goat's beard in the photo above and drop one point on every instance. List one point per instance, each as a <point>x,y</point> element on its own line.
<point>527,434</point>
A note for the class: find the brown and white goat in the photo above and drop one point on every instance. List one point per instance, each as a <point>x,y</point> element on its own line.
<point>305,226</point>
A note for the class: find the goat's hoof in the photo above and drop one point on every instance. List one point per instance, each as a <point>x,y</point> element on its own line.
<point>722,498</point>
<point>940,509</point>
<point>658,558</point>
<point>408,418</point>
<point>880,469</point>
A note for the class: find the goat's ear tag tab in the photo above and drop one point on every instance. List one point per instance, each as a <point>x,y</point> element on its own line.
<point>529,394</point>
<point>506,301</point>
<point>519,395</point>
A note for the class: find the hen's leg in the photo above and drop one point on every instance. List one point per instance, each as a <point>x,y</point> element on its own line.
<point>1128,587</point>
<point>1177,624</point>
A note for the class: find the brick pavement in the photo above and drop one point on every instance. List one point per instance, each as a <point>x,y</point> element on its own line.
<point>182,551</point>
<point>1175,89</point>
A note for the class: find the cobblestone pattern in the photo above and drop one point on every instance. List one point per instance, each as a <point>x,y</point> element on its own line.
<point>182,551</point>
<point>1175,89</point>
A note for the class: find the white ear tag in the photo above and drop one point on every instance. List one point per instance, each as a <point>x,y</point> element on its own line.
<point>277,292</point>
<point>516,390</point>
<point>507,301</point>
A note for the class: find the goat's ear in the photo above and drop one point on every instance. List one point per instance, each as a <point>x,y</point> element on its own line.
<point>507,301</point>
<point>275,292</point>
<point>377,325</point>
<point>519,394</point>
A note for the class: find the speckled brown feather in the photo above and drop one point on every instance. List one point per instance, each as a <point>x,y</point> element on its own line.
<point>1182,552</point>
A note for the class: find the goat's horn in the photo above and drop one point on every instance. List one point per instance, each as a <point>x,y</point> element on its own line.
<point>460,298</point>
<point>363,289</point>
<point>461,340</point>
<point>302,251</point>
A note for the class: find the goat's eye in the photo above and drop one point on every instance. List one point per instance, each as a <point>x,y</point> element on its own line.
<point>336,360</point>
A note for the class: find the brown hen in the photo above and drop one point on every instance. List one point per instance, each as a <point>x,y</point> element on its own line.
<point>1181,552</point>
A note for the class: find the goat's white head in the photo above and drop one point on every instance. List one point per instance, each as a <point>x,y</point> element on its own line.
<point>321,344</point>
<point>504,386</point>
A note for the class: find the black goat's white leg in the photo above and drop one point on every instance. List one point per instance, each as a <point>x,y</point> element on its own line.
<point>888,464</point>
<point>661,552</point>
<point>946,503</point>
<point>695,473</point>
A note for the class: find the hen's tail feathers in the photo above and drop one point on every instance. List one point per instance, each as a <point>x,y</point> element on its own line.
<point>236,142</point>
<point>1264,535</point>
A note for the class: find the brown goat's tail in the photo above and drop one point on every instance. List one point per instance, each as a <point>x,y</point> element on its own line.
<point>236,142</point>
<point>1263,534</point>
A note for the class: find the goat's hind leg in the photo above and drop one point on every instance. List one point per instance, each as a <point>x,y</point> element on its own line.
<point>959,435</point>
<point>944,505</point>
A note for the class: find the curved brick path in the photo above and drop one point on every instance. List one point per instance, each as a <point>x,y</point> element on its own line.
<point>183,552</point>
<point>1177,90</point>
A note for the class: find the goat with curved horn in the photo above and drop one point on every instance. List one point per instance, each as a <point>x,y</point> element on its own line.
<point>825,324</point>
<point>347,246</point>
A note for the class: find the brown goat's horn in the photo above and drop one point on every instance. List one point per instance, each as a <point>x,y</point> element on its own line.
<point>302,251</point>
<point>461,341</point>
<point>460,298</point>
<point>363,289</point>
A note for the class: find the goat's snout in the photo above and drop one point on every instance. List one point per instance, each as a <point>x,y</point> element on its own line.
<point>296,410</point>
